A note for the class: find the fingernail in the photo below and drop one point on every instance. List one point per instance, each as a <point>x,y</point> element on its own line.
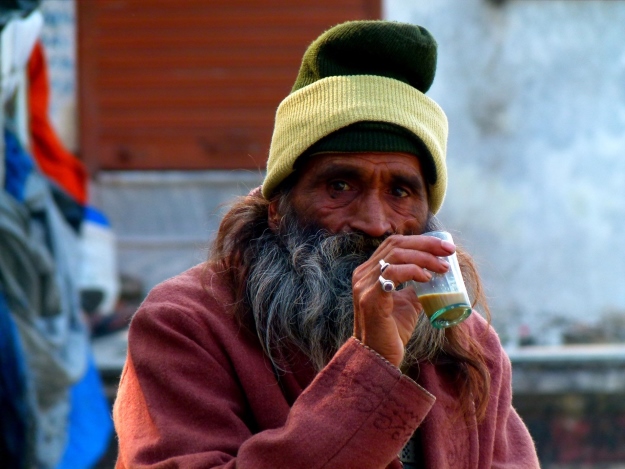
<point>427,274</point>
<point>445,264</point>
<point>447,246</point>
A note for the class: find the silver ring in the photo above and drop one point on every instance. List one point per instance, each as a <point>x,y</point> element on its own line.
<point>383,265</point>
<point>387,285</point>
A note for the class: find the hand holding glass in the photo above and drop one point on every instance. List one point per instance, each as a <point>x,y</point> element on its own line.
<point>444,298</point>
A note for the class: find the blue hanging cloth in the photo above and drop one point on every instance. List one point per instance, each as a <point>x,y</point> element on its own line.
<point>18,165</point>
<point>90,423</point>
<point>13,399</point>
<point>38,265</point>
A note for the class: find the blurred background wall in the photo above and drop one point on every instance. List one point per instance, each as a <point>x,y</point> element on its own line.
<point>535,94</point>
<point>536,103</point>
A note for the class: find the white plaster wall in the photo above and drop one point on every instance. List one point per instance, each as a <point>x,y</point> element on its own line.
<point>535,96</point>
<point>59,40</point>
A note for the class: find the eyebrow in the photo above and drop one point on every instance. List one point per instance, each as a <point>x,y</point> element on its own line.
<point>334,171</point>
<point>354,172</point>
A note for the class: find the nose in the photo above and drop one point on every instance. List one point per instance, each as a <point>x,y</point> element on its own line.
<point>371,216</point>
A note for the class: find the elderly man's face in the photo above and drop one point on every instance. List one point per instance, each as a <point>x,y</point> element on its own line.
<point>371,192</point>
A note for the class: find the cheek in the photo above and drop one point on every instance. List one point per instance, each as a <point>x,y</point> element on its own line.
<point>330,217</point>
<point>406,226</point>
<point>318,210</point>
<point>333,215</point>
<point>411,221</point>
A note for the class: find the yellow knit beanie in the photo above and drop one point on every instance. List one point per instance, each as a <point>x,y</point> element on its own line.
<point>361,87</point>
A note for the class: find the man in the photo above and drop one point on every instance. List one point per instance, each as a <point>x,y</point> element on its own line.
<point>284,350</point>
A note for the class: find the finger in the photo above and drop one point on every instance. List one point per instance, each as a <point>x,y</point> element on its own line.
<point>422,241</point>
<point>383,265</point>
<point>407,299</point>
<point>435,246</point>
<point>401,256</point>
<point>411,265</point>
<point>404,272</point>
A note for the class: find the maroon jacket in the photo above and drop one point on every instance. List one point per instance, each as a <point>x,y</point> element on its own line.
<point>198,392</point>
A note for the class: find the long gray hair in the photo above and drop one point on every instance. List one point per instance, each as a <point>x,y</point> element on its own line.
<point>238,249</point>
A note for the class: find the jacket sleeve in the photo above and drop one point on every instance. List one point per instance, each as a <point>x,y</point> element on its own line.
<point>180,405</point>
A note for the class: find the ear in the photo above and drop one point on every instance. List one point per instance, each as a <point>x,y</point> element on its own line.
<point>273,217</point>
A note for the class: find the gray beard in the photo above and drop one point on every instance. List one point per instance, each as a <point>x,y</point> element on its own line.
<point>300,293</point>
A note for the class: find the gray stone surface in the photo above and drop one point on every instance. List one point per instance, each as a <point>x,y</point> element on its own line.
<point>535,96</point>
<point>580,369</point>
<point>536,103</point>
<point>165,220</point>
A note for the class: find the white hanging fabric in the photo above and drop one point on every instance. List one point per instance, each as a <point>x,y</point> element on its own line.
<point>17,40</point>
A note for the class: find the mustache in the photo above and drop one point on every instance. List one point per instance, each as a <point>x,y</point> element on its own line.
<point>292,223</point>
<point>292,229</point>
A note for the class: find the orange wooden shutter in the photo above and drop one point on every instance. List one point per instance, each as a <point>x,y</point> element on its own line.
<point>192,84</point>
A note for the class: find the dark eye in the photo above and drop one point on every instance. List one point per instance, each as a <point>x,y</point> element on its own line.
<point>339,186</point>
<point>400,192</point>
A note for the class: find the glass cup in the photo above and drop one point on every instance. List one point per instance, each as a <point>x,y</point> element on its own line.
<point>444,298</point>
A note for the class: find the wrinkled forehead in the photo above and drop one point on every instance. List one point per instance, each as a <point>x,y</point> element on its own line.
<point>362,165</point>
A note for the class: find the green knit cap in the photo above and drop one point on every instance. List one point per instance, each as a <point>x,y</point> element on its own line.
<point>360,88</point>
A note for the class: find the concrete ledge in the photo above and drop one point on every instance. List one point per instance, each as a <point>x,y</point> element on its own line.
<point>184,178</point>
<point>164,220</point>
<point>568,353</point>
<point>569,369</point>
